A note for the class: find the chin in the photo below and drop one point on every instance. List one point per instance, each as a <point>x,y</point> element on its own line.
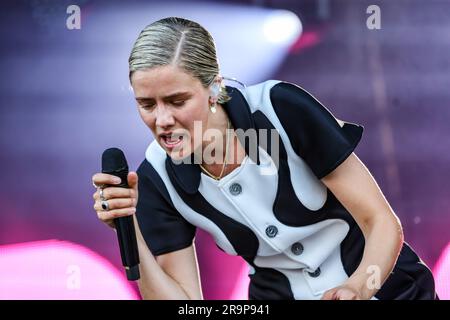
<point>180,155</point>
<point>175,156</point>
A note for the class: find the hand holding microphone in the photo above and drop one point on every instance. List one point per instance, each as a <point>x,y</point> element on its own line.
<point>115,202</point>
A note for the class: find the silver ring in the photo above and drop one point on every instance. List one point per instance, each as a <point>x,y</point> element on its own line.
<point>98,186</point>
<point>102,196</point>
<point>105,205</point>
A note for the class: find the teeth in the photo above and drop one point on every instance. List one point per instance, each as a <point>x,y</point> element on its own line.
<point>172,139</point>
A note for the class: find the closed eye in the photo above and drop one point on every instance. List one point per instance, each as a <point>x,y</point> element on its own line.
<point>178,103</point>
<point>147,106</point>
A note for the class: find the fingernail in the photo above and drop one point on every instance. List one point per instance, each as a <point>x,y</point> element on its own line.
<point>117,180</point>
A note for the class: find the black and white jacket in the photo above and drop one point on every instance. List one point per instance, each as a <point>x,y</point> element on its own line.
<point>297,238</point>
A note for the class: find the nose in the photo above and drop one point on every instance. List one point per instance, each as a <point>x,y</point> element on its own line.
<point>164,117</point>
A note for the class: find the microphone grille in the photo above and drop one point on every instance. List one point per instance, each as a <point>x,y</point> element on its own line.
<point>113,159</point>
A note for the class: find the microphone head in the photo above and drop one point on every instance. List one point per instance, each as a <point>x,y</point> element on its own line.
<point>113,159</point>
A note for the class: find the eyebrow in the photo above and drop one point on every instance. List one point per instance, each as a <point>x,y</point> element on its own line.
<point>174,95</point>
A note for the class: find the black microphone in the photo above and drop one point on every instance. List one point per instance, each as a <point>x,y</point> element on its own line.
<point>114,163</point>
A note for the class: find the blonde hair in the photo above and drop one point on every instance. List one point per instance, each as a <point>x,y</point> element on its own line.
<point>180,42</point>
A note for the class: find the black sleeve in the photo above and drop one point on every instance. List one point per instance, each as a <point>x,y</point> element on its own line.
<point>315,134</point>
<point>162,226</point>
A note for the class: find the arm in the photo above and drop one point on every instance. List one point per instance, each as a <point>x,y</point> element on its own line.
<point>165,241</point>
<point>323,141</point>
<point>172,275</point>
<point>354,186</point>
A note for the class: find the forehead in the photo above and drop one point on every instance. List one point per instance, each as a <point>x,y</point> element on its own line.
<point>162,81</point>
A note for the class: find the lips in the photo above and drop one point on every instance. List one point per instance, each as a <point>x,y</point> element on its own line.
<point>170,140</point>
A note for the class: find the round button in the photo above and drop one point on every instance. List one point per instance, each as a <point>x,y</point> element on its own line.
<point>271,231</point>
<point>235,189</point>
<point>297,248</point>
<point>315,274</point>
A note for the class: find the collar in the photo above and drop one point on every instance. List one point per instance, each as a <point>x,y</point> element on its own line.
<point>188,175</point>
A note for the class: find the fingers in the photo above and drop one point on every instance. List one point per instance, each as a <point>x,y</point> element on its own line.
<point>341,293</point>
<point>329,295</point>
<point>115,192</point>
<point>118,208</point>
<point>344,294</point>
<point>120,203</point>
<point>103,178</point>
<point>108,216</point>
<point>132,179</point>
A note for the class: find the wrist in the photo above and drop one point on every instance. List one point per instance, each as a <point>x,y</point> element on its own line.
<point>361,283</point>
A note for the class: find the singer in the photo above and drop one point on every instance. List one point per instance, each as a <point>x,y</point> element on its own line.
<point>267,170</point>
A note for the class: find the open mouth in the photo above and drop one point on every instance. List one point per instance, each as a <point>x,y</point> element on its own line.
<point>171,141</point>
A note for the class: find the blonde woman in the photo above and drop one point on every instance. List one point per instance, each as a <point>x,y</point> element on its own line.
<point>267,170</point>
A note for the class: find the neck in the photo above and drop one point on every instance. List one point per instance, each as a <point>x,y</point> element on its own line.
<point>224,153</point>
<point>214,146</point>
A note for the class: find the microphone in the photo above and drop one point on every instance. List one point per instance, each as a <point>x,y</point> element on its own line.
<point>114,163</point>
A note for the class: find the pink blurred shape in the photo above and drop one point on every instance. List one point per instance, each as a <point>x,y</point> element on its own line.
<point>306,40</point>
<point>224,277</point>
<point>59,270</point>
<point>441,273</point>
<point>240,291</point>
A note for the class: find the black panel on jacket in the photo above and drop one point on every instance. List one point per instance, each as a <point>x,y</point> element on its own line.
<point>287,208</point>
<point>410,280</point>
<point>163,228</point>
<point>269,284</point>
<point>313,131</point>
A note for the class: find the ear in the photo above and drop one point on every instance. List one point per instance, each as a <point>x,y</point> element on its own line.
<point>215,87</point>
<point>215,90</point>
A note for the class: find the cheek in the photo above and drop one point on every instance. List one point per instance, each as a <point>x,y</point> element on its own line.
<point>187,117</point>
<point>148,119</point>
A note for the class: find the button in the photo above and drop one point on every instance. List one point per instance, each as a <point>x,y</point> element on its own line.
<point>315,274</point>
<point>271,231</point>
<point>235,189</point>
<point>297,248</point>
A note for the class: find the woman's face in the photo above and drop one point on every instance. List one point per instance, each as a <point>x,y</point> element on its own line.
<point>169,101</point>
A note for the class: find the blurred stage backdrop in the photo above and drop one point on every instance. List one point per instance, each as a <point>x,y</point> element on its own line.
<point>65,97</point>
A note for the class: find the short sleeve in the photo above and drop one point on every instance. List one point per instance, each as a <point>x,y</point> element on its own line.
<point>164,229</point>
<point>319,138</point>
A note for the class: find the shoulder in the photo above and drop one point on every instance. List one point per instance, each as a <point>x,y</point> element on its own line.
<point>315,134</point>
<point>286,93</point>
<point>278,92</point>
<point>258,94</point>
<point>292,105</point>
